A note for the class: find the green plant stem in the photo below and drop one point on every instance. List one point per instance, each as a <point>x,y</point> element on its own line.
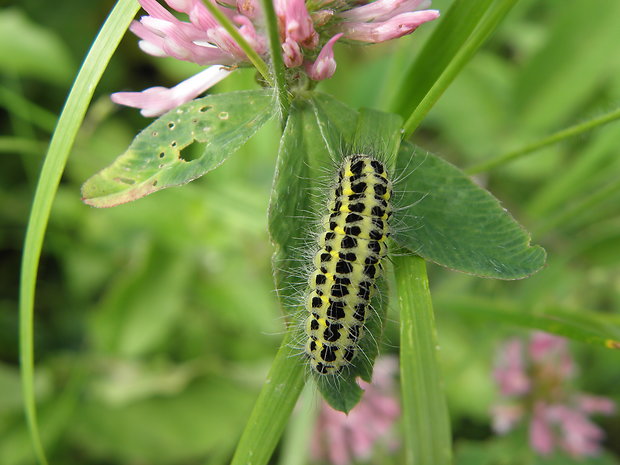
<point>254,57</point>
<point>559,136</point>
<point>488,24</point>
<point>425,414</point>
<point>72,115</point>
<point>273,407</point>
<point>275,48</point>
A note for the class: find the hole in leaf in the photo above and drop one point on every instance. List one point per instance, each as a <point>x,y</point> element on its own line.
<point>190,153</point>
<point>154,183</point>
<point>170,125</point>
<point>205,108</point>
<point>173,143</point>
<point>223,115</point>
<point>155,133</point>
<point>162,154</point>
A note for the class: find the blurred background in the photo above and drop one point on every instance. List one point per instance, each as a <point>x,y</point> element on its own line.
<point>156,321</point>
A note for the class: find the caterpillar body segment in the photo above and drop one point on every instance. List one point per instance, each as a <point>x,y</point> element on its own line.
<point>347,264</point>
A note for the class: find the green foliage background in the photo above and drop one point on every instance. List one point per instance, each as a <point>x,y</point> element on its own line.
<point>156,321</point>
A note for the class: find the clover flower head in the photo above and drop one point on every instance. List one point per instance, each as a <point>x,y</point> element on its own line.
<point>308,32</point>
<point>534,383</point>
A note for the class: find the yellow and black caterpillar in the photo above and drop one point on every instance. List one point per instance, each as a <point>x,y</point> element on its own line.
<point>352,246</point>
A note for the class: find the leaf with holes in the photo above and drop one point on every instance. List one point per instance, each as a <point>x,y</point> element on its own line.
<point>157,157</point>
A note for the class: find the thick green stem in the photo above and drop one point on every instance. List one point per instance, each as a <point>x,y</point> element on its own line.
<point>55,161</point>
<point>273,407</point>
<point>425,414</point>
<point>559,136</point>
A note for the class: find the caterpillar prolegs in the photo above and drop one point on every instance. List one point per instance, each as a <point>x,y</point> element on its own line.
<point>351,248</point>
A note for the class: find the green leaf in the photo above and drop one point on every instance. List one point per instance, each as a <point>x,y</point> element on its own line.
<point>588,327</point>
<point>289,227</point>
<point>378,134</point>
<point>448,219</point>
<point>156,159</point>
<point>336,122</point>
<point>309,144</point>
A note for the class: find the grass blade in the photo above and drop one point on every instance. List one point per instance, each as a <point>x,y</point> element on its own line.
<point>70,120</point>
<point>273,407</point>
<point>425,416</point>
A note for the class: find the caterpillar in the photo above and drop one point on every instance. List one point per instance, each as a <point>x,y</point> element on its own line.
<point>351,247</point>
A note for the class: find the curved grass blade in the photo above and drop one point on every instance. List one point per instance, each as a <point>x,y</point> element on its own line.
<point>72,115</point>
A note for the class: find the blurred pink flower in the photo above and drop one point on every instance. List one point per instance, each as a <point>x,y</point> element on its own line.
<point>509,371</point>
<point>535,383</point>
<point>342,439</point>
<point>308,32</point>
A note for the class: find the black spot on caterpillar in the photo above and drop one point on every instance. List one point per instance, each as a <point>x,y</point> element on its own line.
<point>352,246</point>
